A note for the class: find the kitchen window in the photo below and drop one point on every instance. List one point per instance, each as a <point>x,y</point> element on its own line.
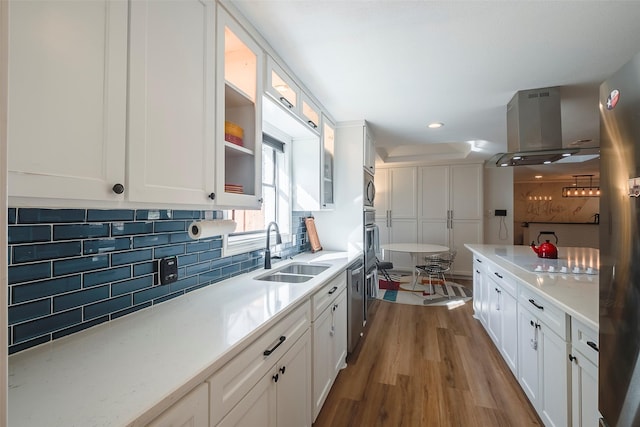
<point>276,193</point>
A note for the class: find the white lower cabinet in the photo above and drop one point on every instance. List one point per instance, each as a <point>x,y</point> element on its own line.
<point>329,348</point>
<point>192,410</point>
<point>281,397</point>
<point>272,376</point>
<point>543,368</point>
<point>502,322</point>
<point>584,375</point>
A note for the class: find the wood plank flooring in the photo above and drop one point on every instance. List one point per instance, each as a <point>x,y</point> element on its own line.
<point>426,366</point>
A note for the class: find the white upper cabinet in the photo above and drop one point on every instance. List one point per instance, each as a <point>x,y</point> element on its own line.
<point>67,100</point>
<point>310,112</point>
<point>328,156</point>
<point>282,87</point>
<point>171,102</point>
<point>239,116</point>
<point>369,160</point>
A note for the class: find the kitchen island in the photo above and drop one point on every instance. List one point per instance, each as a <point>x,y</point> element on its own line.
<point>128,371</point>
<point>542,315</point>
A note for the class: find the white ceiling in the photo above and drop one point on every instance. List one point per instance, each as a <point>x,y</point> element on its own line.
<point>403,64</point>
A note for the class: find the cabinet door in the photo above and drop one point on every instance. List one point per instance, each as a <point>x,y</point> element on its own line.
<point>584,391</point>
<point>67,71</point>
<point>310,112</point>
<point>466,191</point>
<point>477,287</point>
<point>381,202</point>
<point>509,339</point>
<point>257,408</point>
<point>484,301</point>
<point>369,152</point>
<point>171,102</point>
<point>461,232</point>
<point>282,88</point>
<point>554,393</point>
<point>435,232</point>
<point>191,410</point>
<point>294,385</point>
<point>239,64</point>
<point>529,363</point>
<point>339,333</point>
<point>495,313</point>
<point>434,189</point>
<point>328,156</point>
<point>403,231</point>
<point>403,195</point>
<point>322,359</point>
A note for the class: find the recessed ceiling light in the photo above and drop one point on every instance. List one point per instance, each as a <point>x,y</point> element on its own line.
<point>517,157</point>
<point>435,125</point>
<point>504,164</point>
<point>566,154</point>
<point>538,176</point>
<point>547,162</point>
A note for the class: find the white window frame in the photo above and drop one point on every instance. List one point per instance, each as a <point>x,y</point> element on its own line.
<point>243,243</point>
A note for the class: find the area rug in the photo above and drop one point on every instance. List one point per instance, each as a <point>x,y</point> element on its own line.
<point>400,290</point>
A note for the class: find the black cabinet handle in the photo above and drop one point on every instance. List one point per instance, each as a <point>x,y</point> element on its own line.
<point>479,260</point>
<point>539,307</point>
<point>118,188</point>
<point>286,102</point>
<point>335,288</point>
<point>477,271</point>
<point>572,358</point>
<point>531,322</point>
<point>271,350</point>
<point>310,123</point>
<point>593,346</point>
<point>212,196</point>
<point>498,290</point>
<point>497,274</point>
<point>284,368</point>
<point>275,378</point>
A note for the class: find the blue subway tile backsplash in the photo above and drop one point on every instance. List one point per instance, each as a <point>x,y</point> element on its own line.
<point>71,269</point>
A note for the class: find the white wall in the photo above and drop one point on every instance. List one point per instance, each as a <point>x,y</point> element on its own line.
<point>498,194</point>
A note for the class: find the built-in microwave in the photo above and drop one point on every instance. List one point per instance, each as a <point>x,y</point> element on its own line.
<point>369,193</point>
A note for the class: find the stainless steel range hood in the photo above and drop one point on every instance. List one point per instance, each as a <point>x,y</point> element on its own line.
<point>534,132</point>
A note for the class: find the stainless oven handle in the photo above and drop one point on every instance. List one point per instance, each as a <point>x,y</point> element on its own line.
<point>370,275</point>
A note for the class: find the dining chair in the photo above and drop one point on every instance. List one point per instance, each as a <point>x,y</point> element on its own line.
<point>435,268</point>
<point>382,267</point>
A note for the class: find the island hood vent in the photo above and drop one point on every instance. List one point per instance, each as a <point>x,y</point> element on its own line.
<point>534,130</point>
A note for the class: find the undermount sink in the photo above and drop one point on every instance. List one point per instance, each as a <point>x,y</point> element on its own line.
<point>306,269</point>
<point>288,278</point>
<point>294,273</point>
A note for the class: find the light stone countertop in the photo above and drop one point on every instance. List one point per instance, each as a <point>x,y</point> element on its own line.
<point>127,371</point>
<point>575,294</point>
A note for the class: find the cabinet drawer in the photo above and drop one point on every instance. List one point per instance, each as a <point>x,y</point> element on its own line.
<point>235,379</point>
<point>550,315</point>
<point>322,298</point>
<point>505,281</point>
<point>585,340</point>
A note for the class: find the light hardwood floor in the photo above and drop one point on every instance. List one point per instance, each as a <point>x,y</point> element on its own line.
<point>426,366</point>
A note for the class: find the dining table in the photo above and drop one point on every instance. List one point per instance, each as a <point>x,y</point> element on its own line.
<point>415,250</point>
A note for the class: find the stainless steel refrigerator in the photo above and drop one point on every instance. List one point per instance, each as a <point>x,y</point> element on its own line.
<point>619,340</point>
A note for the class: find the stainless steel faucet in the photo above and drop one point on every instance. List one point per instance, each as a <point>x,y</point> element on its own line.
<point>267,252</point>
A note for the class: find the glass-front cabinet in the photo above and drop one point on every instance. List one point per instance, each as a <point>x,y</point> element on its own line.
<point>310,112</point>
<point>328,145</point>
<point>239,117</point>
<point>282,87</point>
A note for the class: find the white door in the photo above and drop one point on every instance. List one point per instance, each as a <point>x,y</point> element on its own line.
<point>192,410</point>
<point>464,231</point>
<point>509,340</point>
<point>584,390</point>
<point>171,102</point>
<point>322,358</point>
<point>66,126</point>
<point>466,191</point>
<point>403,195</point>
<point>257,408</point>
<point>434,188</point>
<point>529,362</point>
<point>294,385</point>
<point>381,200</point>
<point>434,231</point>
<point>554,393</point>
<point>495,312</point>
<point>339,333</point>
<point>477,288</point>
<point>403,231</point>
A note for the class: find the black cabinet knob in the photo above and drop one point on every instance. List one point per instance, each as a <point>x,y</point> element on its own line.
<point>212,196</point>
<point>284,368</point>
<point>118,188</point>
<point>275,378</point>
